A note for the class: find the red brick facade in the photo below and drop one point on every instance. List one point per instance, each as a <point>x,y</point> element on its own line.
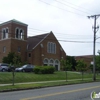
<point>88,59</point>
<point>40,53</point>
<point>11,43</point>
<point>34,50</point>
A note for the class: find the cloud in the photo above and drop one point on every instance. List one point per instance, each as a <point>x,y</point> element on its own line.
<point>68,22</point>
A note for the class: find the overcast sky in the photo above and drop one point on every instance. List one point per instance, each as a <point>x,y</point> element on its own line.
<point>67,19</point>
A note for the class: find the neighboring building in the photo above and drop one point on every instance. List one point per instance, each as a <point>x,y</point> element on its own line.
<point>88,59</point>
<point>38,50</point>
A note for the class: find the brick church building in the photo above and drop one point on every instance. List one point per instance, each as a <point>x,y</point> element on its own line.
<point>38,50</point>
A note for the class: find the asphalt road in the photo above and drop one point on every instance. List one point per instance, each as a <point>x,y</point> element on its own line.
<point>68,92</point>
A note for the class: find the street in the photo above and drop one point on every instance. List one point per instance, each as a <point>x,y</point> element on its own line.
<point>67,92</point>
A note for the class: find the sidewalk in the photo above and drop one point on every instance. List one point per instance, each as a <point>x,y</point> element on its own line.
<point>43,82</point>
<point>33,82</point>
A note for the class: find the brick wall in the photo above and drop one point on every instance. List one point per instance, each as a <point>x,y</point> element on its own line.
<point>40,53</point>
<point>12,43</point>
<point>7,44</point>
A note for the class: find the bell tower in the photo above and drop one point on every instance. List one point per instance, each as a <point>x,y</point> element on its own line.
<point>13,38</point>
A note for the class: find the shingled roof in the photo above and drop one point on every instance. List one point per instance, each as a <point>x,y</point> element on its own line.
<point>35,40</point>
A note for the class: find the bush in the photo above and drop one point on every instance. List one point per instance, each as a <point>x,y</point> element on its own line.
<point>44,70</point>
<point>36,70</point>
<point>51,69</point>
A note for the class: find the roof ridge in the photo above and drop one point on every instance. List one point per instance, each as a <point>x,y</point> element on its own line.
<point>41,40</point>
<point>37,40</point>
<point>38,35</point>
<point>13,20</point>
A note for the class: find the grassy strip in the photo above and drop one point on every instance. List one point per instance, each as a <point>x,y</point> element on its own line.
<point>40,85</point>
<point>6,77</point>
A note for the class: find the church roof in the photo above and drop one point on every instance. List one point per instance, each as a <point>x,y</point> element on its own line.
<point>13,21</point>
<point>35,40</point>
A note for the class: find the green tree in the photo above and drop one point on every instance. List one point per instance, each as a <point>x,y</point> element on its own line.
<point>14,60</point>
<point>81,66</point>
<point>63,64</point>
<point>9,58</point>
<point>98,63</point>
<point>71,61</point>
<point>91,68</point>
<point>66,66</point>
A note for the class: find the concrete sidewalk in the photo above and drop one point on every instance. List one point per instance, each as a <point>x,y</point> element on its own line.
<point>33,82</point>
<point>43,82</point>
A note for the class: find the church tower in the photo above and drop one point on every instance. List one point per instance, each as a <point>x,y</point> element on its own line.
<point>13,38</point>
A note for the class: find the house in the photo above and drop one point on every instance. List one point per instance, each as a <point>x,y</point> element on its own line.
<point>38,50</point>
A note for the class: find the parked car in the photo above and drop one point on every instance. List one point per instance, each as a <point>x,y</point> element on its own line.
<point>11,68</point>
<point>25,68</point>
<point>4,67</point>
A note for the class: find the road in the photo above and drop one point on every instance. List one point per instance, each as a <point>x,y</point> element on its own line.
<point>67,92</point>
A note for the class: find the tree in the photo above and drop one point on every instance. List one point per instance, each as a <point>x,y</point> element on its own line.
<point>66,65</point>
<point>10,58</point>
<point>81,66</point>
<point>14,60</point>
<point>98,63</point>
<point>71,61</point>
<point>91,67</point>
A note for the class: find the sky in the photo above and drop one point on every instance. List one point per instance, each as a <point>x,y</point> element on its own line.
<point>67,19</point>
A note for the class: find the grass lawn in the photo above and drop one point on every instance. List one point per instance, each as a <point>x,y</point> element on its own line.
<point>39,85</point>
<point>6,77</point>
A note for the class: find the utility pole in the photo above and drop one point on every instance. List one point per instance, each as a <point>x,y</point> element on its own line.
<point>95,28</point>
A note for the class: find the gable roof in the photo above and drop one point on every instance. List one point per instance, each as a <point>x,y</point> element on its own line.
<point>14,21</point>
<point>35,40</point>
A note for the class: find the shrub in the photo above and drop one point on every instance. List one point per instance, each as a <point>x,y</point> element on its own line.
<point>36,70</point>
<point>44,70</point>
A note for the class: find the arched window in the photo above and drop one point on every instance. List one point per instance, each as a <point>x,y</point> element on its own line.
<point>19,33</point>
<point>22,35</point>
<point>56,62</point>
<point>45,61</point>
<point>48,47</point>
<point>51,63</point>
<point>5,33</point>
<point>54,48</point>
<point>51,47</point>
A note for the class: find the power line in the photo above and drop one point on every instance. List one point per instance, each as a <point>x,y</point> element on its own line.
<point>57,39</point>
<point>63,40</point>
<point>78,6</point>
<point>71,7</point>
<point>61,8</point>
<point>58,32</point>
<point>32,29</point>
<point>68,36</point>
